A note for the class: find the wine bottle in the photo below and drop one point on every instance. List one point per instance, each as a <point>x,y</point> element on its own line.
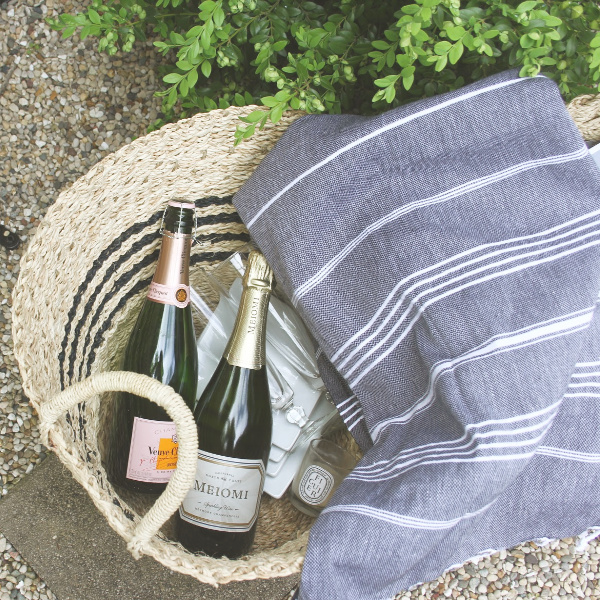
<point>142,446</point>
<point>219,514</point>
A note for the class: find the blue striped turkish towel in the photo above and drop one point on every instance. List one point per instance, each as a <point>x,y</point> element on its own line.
<point>446,257</point>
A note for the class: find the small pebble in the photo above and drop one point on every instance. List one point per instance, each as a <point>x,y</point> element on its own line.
<point>57,120</point>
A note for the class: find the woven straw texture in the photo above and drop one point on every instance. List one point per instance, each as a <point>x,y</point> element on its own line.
<point>80,287</point>
<point>585,111</point>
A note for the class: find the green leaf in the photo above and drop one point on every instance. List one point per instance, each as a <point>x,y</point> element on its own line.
<point>456,52</point>
<point>442,48</point>
<point>194,51</point>
<point>172,97</point>
<point>192,78</point>
<point>390,94</point>
<point>277,112</point>
<point>176,38</point>
<point>338,44</point>
<point>552,21</point>
<point>280,45</point>
<point>249,132</point>
<point>282,96</point>
<point>68,32</point>
<point>595,43</point>
<point>195,31</point>
<point>385,81</point>
<point>526,6</point>
<point>441,63</point>
<point>94,16</point>
<point>571,48</point>
<point>378,96</point>
<point>254,116</point>
<point>184,88</point>
<point>390,59</point>
<point>206,68</point>
<point>455,33</point>
<point>315,36</point>
<point>403,60</point>
<point>526,41</point>
<point>209,103</point>
<point>380,45</point>
<point>411,9</point>
<point>218,17</point>
<point>491,34</point>
<point>205,39</point>
<point>269,101</point>
<point>172,78</point>
<point>85,32</point>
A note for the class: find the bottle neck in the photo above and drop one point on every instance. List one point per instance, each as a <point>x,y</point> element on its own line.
<point>246,346</point>
<point>171,281</point>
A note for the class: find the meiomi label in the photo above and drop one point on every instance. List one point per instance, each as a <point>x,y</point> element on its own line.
<point>226,493</point>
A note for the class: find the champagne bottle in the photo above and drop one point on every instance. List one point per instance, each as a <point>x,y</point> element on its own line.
<point>233,415</point>
<point>142,451</point>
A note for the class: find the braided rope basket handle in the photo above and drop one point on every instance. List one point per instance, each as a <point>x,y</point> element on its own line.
<point>187,435</point>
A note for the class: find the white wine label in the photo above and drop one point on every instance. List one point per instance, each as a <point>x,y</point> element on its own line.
<point>315,485</point>
<point>178,295</point>
<point>226,493</point>
<point>153,451</point>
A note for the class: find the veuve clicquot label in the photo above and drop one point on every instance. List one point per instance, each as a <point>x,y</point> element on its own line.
<point>226,493</point>
<point>153,451</point>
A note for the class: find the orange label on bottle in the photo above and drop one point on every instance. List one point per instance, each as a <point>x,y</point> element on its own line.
<point>167,454</point>
<point>153,451</point>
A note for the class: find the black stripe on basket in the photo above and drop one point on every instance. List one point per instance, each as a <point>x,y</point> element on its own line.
<point>96,266</point>
<point>122,283</point>
<point>100,262</point>
<point>207,257</point>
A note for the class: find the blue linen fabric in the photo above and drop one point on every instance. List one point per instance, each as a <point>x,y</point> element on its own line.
<point>446,257</point>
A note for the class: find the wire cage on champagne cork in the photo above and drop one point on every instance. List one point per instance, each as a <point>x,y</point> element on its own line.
<point>80,287</point>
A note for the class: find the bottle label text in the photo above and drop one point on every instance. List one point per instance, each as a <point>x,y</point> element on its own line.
<point>153,451</point>
<point>226,493</point>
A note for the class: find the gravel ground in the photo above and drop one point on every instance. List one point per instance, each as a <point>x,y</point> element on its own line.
<point>63,107</point>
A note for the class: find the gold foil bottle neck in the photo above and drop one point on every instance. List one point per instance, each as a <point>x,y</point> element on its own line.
<point>258,272</point>
<point>246,346</point>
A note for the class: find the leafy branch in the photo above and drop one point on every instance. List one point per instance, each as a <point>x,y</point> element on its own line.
<point>337,56</point>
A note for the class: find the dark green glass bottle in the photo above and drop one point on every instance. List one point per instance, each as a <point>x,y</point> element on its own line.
<point>218,516</point>
<point>142,447</point>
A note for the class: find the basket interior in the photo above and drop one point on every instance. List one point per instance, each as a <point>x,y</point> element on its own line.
<point>278,521</point>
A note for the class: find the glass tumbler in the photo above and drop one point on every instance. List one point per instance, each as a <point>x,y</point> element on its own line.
<point>323,468</point>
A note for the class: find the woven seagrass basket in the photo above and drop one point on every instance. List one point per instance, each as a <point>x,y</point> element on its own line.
<point>81,284</point>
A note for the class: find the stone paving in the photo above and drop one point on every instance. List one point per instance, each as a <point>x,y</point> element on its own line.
<point>63,107</point>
